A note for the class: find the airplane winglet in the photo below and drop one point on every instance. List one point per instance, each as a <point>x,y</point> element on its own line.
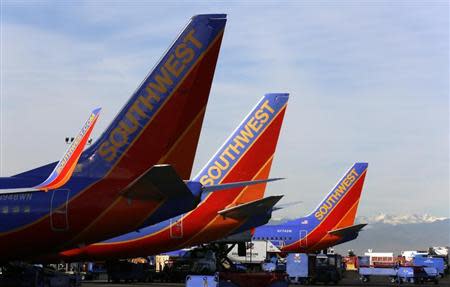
<point>65,167</point>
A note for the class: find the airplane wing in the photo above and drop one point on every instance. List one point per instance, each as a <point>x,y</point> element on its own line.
<point>251,208</point>
<point>346,231</point>
<point>65,167</point>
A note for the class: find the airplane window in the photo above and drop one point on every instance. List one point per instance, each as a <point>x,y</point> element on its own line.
<point>26,209</point>
<point>5,209</point>
<point>16,209</point>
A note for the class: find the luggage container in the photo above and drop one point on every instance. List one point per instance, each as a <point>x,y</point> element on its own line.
<point>435,262</point>
<point>303,268</point>
<point>297,267</point>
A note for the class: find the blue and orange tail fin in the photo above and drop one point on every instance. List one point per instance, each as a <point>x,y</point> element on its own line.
<point>161,122</point>
<point>338,209</point>
<point>62,171</point>
<point>247,154</point>
<point>65,167</point>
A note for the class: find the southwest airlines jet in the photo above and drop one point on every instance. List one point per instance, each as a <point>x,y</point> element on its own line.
<point>247,154</point>
<point>331,223</point>
<point>131,176</point>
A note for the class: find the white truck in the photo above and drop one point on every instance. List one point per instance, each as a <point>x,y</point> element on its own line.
<point>256,252</point>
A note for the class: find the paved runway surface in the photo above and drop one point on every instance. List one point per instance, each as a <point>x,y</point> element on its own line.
<point>350,280</point>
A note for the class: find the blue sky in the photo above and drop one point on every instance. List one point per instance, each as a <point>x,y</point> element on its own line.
<point>369,81</point>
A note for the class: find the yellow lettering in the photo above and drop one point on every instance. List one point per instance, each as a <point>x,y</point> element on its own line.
<point>235,147</point>
<point>225,161</point>
<point>107,151</point>
<point>261,116</point>
<point>245,135</point>
<point>254,125</point>
<point>212,175</point>
<point>318,215</point>
<point>340,189</point>
<point>227,152</point>
<point>172,66</point>
<point>205,180</point>
<point>190,38</point>
<point>118,137</point>
<point>267,107</point>
<point>185,53</point>
<point>161,81</point>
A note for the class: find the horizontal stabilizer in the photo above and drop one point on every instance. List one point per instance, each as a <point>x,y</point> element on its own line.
<point>223,186</point>
<point>252,208</point>
<point>158,182</point>
<point>347,231</point>
<point>286,205</point>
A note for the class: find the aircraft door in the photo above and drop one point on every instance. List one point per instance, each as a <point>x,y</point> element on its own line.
<point>303,239</point>
<point>59,218</point>
<point>176,227</point>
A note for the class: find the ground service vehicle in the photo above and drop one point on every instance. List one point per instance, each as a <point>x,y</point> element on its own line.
<point>238,279</point>
<point>396,273</point>
<point>312,268</point>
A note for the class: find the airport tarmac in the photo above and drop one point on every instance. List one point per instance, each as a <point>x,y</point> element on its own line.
<point>350,280</point>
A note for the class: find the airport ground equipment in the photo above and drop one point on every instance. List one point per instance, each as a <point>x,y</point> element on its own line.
<point>230,274</point>
<point>312,268</point>
<point>26,275</point>
<point>396,273</point>
<point>238,279</point>
<point>350,263</point>
<point>256,252</point>
<point>126,271</point>
<point>202,280</point>
<point>428,261</point>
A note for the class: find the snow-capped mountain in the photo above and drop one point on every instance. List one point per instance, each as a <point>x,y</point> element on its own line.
<point>399,219</point>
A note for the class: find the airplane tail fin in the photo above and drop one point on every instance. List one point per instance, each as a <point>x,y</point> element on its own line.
<point>339,207</point>
<point>65,167</point>
<point>161,122</point>
<point>247,154</point>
